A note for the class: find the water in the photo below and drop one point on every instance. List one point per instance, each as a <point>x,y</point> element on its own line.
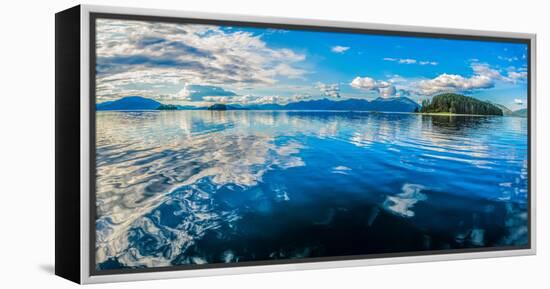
<point>198,187</point>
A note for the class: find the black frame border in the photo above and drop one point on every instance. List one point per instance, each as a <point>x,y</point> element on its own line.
<point>182,20</point>
<point>67,144</point>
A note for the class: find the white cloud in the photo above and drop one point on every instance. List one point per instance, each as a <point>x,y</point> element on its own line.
<point>366,83</point>
<point>484,76</point>
<point>299,97</point>
<point>134,56</point>
<point>428,63</point>
<point>509,59</point>
<point>517,75</point>
<point>387,91</point>
<point>384,88</point>
<point>191,92</point>
<point>396,78</point>
<point>518,101</point>
<point>410,61</point>
<point>339,49</point>
<point>330,90</point>
<point>484,69</point>
<point>407,61</point>
<point>184,93</point>
<point>255,99</point>
<point>454,82</point>
<point>245,99</point>
<point>288,71</point>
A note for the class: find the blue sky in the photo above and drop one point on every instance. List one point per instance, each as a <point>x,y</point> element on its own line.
<point>199,64</point>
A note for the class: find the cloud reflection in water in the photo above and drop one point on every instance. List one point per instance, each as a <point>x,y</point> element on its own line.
<point>194,187</point>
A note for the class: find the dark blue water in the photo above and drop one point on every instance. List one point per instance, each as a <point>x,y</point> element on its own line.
<point>197,187</point>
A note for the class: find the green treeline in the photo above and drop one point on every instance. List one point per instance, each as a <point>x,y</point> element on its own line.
<point>458,104</point>
<point>167,107</point>
<point>218,106</point>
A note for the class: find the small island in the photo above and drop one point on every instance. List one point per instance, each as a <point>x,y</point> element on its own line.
<point>453,103</point>
<point>218,106</point>
<point>168,107</point>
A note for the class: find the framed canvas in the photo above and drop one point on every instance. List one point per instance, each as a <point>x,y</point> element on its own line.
<point>196,144</point>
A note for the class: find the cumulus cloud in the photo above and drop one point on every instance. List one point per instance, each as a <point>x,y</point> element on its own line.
<point>257,99</point>
<point>402,93</point>
<point>484,76</point>
<point>484,69</point>
<point>396,78</point>
<point>410,61</point>
<point>193,92</point>
<point>517,75</point>
<point>387,91</point>
<point>339,49</point>
<point>384,88</point>
<point>330,90</point>
<point>134,55</point>
<point>244,99</point>
<point>454,82</point>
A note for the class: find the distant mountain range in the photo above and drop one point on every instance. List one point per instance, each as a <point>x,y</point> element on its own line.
<point>443,103</point>
<point>396,104</point>
<point>519,113</point>
<point>507,112</point>
<point>129,103</point>
<point>504,109</point>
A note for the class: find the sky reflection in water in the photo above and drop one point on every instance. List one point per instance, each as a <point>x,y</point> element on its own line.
<point>195,187</point>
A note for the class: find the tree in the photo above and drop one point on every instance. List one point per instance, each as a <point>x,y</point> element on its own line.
<point>459,104</point>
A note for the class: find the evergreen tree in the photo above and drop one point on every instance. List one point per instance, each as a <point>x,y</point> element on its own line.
<point>459,104</point>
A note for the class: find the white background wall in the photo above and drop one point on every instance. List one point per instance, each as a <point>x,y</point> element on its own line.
<point>27,142</point>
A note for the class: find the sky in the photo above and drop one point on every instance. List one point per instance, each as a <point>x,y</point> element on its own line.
<point>192,64</point>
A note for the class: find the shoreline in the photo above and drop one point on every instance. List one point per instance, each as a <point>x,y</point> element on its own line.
<point>453,114</point>
<point>313,110</point>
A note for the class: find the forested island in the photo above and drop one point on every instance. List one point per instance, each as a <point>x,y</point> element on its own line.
<point>168,107</point>
<point>217,106</point>
<point>459,104</point>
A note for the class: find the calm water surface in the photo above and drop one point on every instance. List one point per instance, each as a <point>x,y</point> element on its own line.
<point>197,187</point>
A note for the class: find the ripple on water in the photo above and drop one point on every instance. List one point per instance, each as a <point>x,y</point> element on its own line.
<point>166,179</point>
